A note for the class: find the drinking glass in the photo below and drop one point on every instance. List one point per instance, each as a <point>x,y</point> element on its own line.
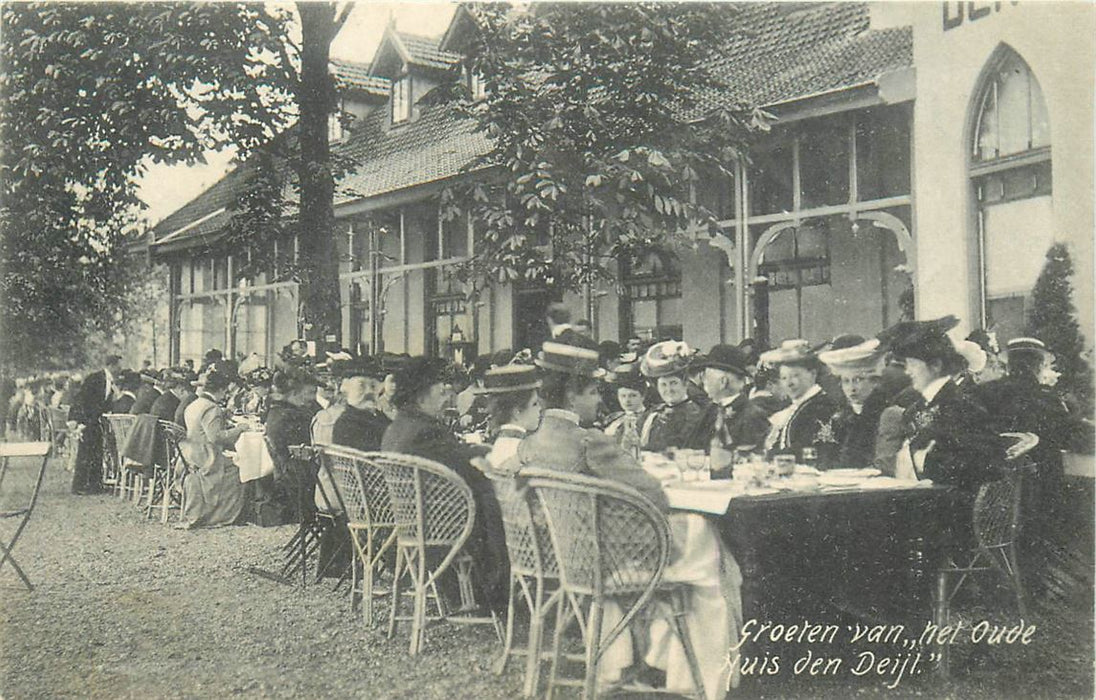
<point>785,465</point>
<point>700,466</point>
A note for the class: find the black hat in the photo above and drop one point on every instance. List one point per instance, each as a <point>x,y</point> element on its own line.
<point>729,358</point>
<point>415,376</point>
<point>509,378</point>
<point>627,376</point>
<point>923,340</point>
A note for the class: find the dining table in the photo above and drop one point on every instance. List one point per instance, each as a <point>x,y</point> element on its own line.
<point>815,545</point>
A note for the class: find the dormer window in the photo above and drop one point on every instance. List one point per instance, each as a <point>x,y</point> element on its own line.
<point>401,99</point>
<point>477,86</point>
<point>334,127</point>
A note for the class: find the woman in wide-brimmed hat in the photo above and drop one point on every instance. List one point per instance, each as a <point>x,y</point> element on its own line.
<point>858,369</point>
<point>420,398</point>
<point>949,435</point>
<point>674,422</point>
<point>512,396</point>
<point>807,423</point>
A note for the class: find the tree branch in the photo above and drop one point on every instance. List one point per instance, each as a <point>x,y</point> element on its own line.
<point>340,20</point>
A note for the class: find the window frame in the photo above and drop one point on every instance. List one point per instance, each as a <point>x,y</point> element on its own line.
<point>401,103</point>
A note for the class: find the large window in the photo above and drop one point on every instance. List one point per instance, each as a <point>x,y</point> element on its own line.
<point>652,298</point>
<point>401,99</point>
<point>1011,176</point>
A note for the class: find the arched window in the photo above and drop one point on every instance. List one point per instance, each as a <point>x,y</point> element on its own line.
<point>1011,177</point>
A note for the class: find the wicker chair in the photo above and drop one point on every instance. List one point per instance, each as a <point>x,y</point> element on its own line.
<point>125,482</point>
<point>611,543</point>
<point>369,517</point>
<point>168,475</point>
<point>60,435</point>
<point>316,524</point>
<point>534,575</point>
<point>434,510</point>
<point>996,521</point>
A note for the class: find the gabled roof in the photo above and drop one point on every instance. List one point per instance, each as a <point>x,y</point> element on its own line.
<point>356,76</point>
<point>411,49</point>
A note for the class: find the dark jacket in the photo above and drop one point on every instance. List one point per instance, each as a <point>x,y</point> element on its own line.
<point>123,404</point>
<point>146,396</point>
<point>674,426</point>
<point>811,425</point>
<point>187,399</point>
<point>92,400</point>
<point>744,423</point>
<point>164,406</point>
<point>967,450</point>
<point>360,429</point>
<point>286,425</point>
<point>857,432</point>
<point>1023,405</point>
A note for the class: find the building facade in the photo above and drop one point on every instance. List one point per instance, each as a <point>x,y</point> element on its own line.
<point>923,158</point>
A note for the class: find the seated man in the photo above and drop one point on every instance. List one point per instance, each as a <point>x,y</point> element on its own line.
<point>731,419</point>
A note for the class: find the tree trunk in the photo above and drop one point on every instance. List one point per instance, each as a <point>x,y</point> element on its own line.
<point>320,299</point>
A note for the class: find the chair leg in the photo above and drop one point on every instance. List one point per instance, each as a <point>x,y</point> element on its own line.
<point>940,616</point>
<point>395,593</point>
<point>165,504</point>
<point>533,646</point>
<point>14,564</point>
<point>507,642</point>
<point>367,579</point>
<point>593,649</point>
<point>1013,565</point>
<point>418,629</point>
<point>677,601</point>
<point>557,648</point>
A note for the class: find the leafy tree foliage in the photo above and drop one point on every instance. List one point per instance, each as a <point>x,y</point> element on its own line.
<point>90,94</point>
<point>599,135</point>
<point>1053,320</point>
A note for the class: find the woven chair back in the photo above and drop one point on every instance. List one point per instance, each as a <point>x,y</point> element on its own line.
<point>997,510</point>
<point>120,426</point>
<point>361,484</point>
<point>171,434</point>
<point>608,539</point>
<point>528,542</point>
<point>432,505</point>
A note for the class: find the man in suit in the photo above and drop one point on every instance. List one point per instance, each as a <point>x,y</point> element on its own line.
<point>152,388</point>
<point>731,417</point>
<point>93,400</point>
<point>176,384</point>
<point>128,382</point>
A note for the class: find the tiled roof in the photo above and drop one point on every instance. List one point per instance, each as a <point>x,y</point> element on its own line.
<point>424,51</point>
<point>786,51</point>
<point>436,145</point>
<point>355,76</point>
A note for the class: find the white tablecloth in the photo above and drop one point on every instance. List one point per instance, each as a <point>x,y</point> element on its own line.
<point>252,457</point>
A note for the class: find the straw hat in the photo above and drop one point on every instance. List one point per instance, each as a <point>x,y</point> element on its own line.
<point>790,352</point>
<point>569,359</point>
<point>864,358</point>
<point>666,358</point>
<point>509,378</point>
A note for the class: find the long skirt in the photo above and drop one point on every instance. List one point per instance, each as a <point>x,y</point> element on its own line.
<point>213,495</point>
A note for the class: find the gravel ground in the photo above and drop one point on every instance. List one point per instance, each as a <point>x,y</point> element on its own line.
<point>127,608</point>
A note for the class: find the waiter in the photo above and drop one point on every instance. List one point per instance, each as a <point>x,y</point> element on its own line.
<point>93,400</point>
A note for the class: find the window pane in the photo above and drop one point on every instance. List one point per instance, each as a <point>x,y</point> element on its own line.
<point>986,137</point>
<point>1006,317</point>
<point>644,319</point>
<point>1014,118</point>
<point>824,163</point>
<point>883,153</point>
<point>1016,235</point>
<point>1040,120</point>
<point>770,180</point>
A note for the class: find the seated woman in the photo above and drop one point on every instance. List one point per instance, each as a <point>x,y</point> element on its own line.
<point>806,424</point>
<point>287,493</point>
<point>563,443</point>
<point>856,423</point>
<point>950,438</point>
<point>420,397</point>
<point>213,493</point>
<point>630,386</point>
<point>513,407</point>
<point>676,421</point>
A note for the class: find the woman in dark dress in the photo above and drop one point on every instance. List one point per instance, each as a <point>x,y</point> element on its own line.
<point>856,422</point>
<point>286,495</point>
<point>675,422</point>
<point>806,424</point>
<point>420,399</point>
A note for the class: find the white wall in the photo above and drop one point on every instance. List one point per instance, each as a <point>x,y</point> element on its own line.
<point>1057,40</point>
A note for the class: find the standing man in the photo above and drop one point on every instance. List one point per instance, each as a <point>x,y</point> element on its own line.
<point>93,400</point>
